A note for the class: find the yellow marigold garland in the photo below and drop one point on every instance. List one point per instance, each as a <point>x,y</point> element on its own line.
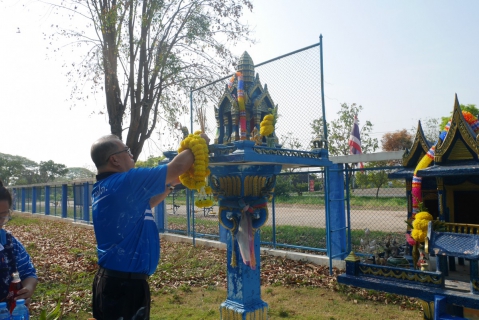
<point>266,127</point>
<point>420,224</point>
<point>195,177</point>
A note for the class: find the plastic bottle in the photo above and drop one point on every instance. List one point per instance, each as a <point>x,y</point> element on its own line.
<point>4,313</point>
<point>21,311</point>
<point>15,285</point>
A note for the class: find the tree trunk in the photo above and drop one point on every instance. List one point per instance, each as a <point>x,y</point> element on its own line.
<point>114,105</point>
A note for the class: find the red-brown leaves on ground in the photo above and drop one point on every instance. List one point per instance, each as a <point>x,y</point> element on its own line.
<point>65,253</point>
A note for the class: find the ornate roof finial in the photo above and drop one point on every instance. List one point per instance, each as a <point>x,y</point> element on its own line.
<point>246,67</point>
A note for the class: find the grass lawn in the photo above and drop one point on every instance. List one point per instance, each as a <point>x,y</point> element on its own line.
<point>190,282</point>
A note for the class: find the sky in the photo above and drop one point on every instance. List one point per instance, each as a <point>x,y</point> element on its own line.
<point>402,61</point>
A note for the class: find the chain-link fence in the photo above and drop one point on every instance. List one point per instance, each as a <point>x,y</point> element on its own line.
<point>377,207</point>
<point>291,82</point>
<point>297,215</point>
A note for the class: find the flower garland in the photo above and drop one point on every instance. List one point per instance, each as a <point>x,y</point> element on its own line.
<point>195,177</point>
<point>266,127</point>
<point>429,157</point>
<point>419,225</point>
<point>203,201</point>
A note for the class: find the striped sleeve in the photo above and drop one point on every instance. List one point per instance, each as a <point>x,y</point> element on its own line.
<point>24,263</point>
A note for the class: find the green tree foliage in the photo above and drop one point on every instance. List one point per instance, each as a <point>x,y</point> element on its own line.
<point>152,161</point>
<point>75,173</point>
<point>372,178</point>
<point>146,55</point>
<point>339,131</point>
<point>10,170</point>
<point>50,170</point>
<point>282,187</point>
<point>432,127</point>
<point>468,107</point>
<point>16,170</point>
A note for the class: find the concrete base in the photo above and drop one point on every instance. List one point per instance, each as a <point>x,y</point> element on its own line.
<point>230,310</point>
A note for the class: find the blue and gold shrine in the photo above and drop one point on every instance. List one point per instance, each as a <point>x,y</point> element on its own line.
<point>243,166</point>
<point>449,187</point>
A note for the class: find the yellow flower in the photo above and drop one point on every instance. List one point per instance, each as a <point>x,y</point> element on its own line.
<point>269,117</point>
<point>208,190</point>
<point>196,175</point>
<point>420,224</point>
<point>266,130</point>
<point>418,235</point>
<point>424,215</point>
<point>265,123</point>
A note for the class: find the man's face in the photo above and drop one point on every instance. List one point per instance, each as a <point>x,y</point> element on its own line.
<point>4,212</point>
<point>123,157</point>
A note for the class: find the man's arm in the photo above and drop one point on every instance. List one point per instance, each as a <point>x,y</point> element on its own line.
<point>181,163</point>
<point>155,200</point>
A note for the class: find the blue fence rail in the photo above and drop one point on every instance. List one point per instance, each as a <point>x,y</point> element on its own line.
<point>298,209</point>
<point>70,200</point>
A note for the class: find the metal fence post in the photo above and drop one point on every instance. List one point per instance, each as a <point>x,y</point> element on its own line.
<point>160,210</point>
<point>337,221</point>
<point>64,200</point>
<point>86,201</point>
<point>47,200</point>
<point>14,195</point>
<point>34,199</point>
<point>23,198</point>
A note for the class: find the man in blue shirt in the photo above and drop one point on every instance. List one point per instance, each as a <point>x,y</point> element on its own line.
<point>127,237</point>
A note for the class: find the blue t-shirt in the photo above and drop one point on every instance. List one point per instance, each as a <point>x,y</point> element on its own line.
<point>126,233</point>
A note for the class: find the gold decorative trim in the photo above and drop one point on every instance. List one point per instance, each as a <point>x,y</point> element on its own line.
<point>230,186</point>
<point>460,127</point>
<point>231,314</point>
<point>460,151</point>
<point>461,228</point>
<point>352,257</point>
<point>428,309</point>
<point>420,144</point>
<point>475,285</point>
<point>440,183</point>
<point>404,275</point>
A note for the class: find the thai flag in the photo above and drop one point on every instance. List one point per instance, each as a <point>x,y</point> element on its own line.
<point>355,140</point>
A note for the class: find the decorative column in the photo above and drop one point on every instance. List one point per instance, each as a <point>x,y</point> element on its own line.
<point>227,132</point>
<point>243,191</point>
<point>235,131</point>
